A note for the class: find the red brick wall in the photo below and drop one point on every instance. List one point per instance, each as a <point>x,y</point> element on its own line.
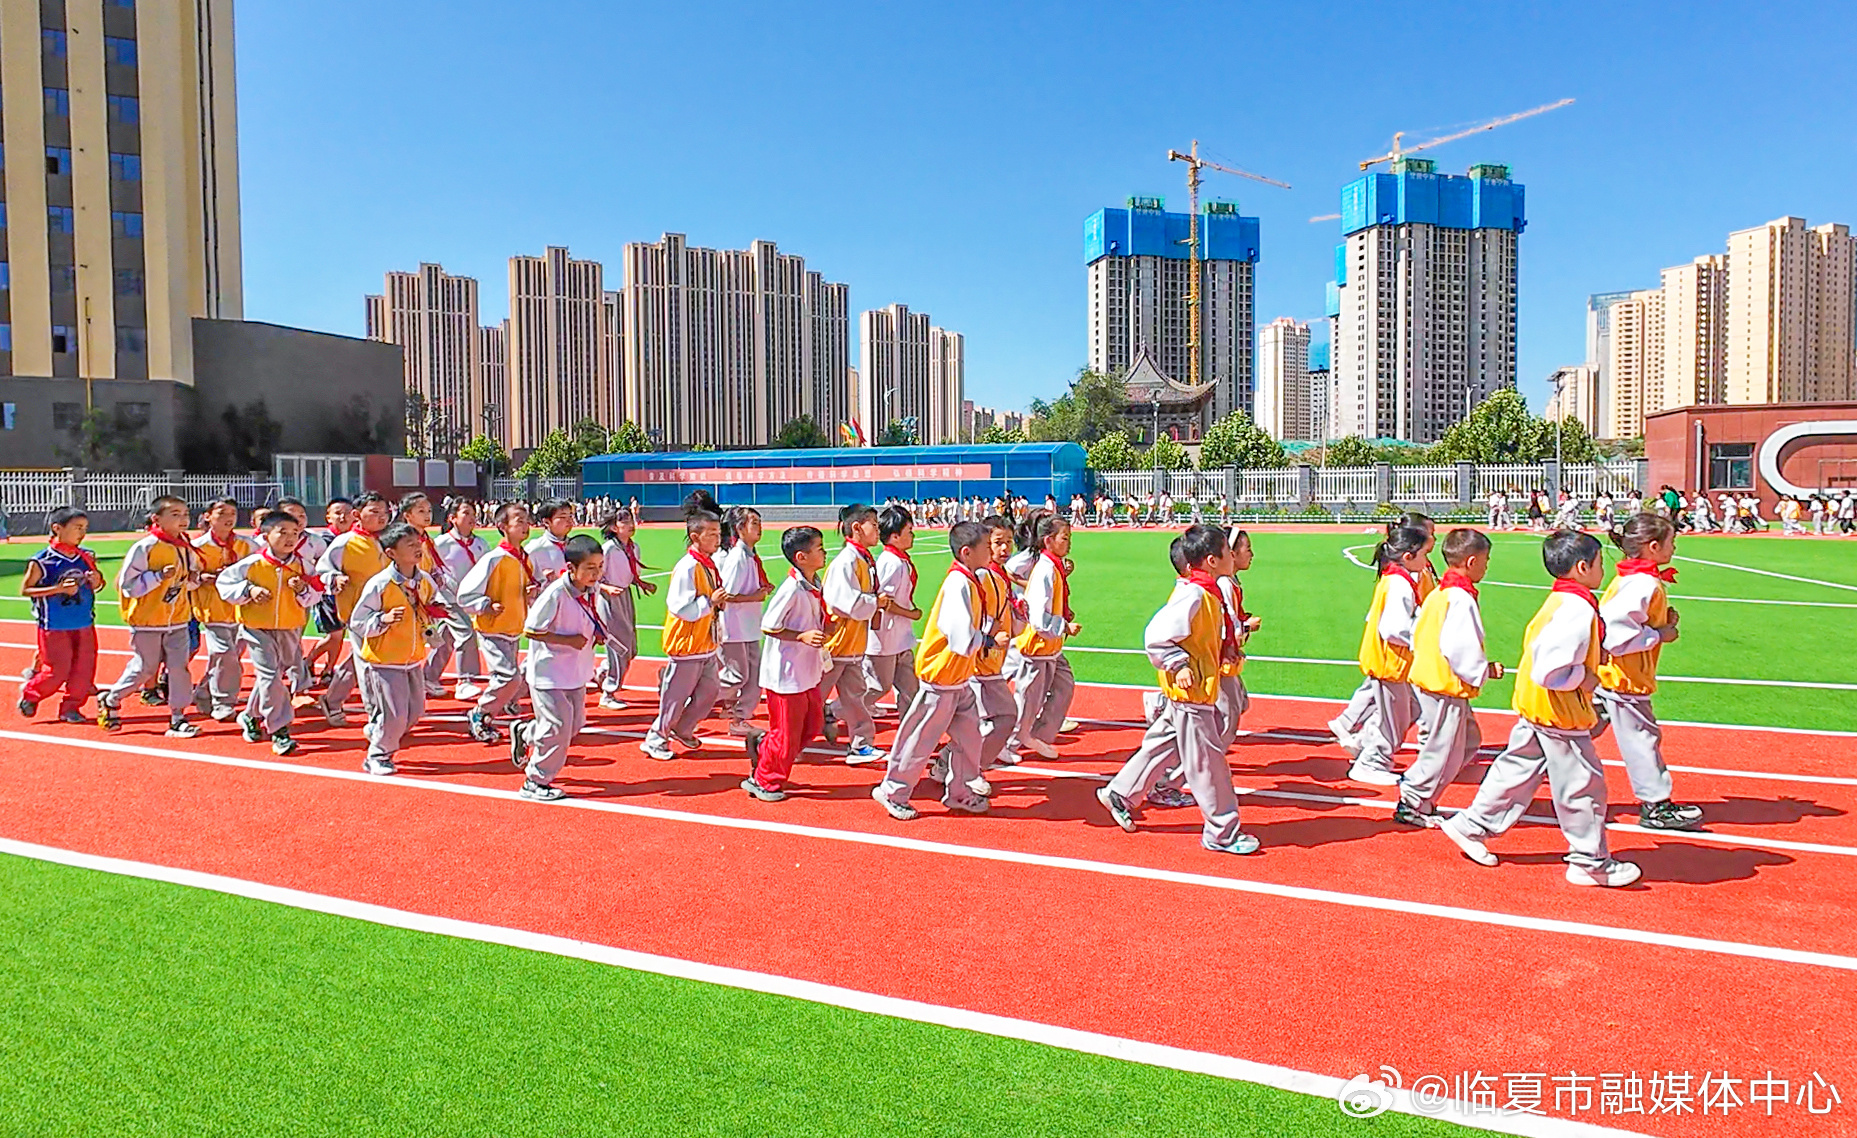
<point>1669,445</point>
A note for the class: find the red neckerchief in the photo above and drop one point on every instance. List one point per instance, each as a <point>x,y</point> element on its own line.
<point>1630,565</point>
<point>1395,569</point>
<point>230,546</point>
<point>360,529</point>
<point>1013,604</point>
<point>760,570</point>
<point>1058,568</point>
<point>585,601</point>
<point>1455,578</point>
<point>1569,585</point>
<point>870,565</point>
<point>410,586</point>
<point>522,559</point>
<point>709,563</point>
<point>271,559</point>
<point>438,563</point>
<point>912,567</point>
<point>465,544</point>
<point>77,551</point>
<point>1210,584</point>
<point>180,546</point>
<point>630,549</point>
<point>818,595</point>
<point>972,577</point>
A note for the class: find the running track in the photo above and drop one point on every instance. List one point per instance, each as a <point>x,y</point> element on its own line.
<point>1349,943</point>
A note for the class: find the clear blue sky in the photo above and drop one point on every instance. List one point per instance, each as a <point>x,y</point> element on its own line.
<point>945,155</point>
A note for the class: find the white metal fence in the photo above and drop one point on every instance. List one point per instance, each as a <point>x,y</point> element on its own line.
<point>33,491</point>
<point>1347,484</point>
<point>1424,483</point>
<point>1126,483</point>
<point>506,489</point>
<point>1268,487</point>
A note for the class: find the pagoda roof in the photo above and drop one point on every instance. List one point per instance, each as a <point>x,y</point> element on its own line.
<point>1145,379</point>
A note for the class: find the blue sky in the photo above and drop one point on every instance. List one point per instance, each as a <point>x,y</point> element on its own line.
<point>945,156</point>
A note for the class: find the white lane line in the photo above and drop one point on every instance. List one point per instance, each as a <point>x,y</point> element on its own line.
<point>1770,573</point>
<point>960,1019</point>
<point>1774,953</point>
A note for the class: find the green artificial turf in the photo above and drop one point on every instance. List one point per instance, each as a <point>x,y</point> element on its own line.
<point>130,1007</point>
<point>1313,599</point>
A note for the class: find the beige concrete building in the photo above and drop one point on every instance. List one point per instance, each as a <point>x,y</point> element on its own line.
<point>724,347</point>
<point>493,381</point>
<point>947,382</point>
<point>1636,363</point>
<point>910,372</point>
<point>1791,294</point>
<point>122,191</point>
<point>1283,386</point>
<point>1574,394</point>
<point>432,316</point>
<point>1695,298</point>
<point>560,370</point>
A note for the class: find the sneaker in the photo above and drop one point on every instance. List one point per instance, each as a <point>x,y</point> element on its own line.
<point>656,751</point>
<point>181,729</point>
<point>28,708</point>
<point>332,712</point>
<point>1008,758</point>
<point>435,691</point>
<point>156,695</point>
<point>1371,775</point>
<point>1041,748</point>
<point>106,715</point>
<point>250,728</point>
<point>1069,726</point>
<point>980,786</point>
<point>1408,816</point>
<point>1611,875</point>
<point>1117,807</point>
<point>481,728</point>
<point>282,743</point>
<point>1473,849</point>
<point>373,765</point>
<point>903,813</point>
<point>978,806</point>
<point>465,693</point>
<point>1170,796</point>
<point>222,714</point>
<point>756,790</point>
<point>541,791</point>
<point>1668,815</point>
<point>73,716</point>
<point>518,744</point>
<point>610,702</point>
<point>742,729</point>
<point>689,741</point>
<point>859,756</point>
<point>1241,844</point>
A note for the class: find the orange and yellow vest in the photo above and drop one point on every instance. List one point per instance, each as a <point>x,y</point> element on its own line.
<point>282,609</point>
<point>208,606</point>
<point>1635,673</point>
<point>362,559</point>
<point>157,608</point>
<point>1431,672</point>
<point>506,583</point>
<point>693,637</point>
<point>848,638</point>
<point>936,662</point>
<point>402,644</point>
<point>1379,659</point>
<point>1203,644</point>
<point>1032,642</point>
<point>1562,710</point>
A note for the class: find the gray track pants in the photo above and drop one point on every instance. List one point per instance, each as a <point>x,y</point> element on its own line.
<point>1451,740</point>
<point>1186,734</point>
<point>275,655</point>
<point>935,712</point>
<point>560,713</point>
<point>687,691</point>
<point>1575,779</point>
<point>460,640</point>
<point>740,678</point>
<point>343,678</point>
<point>1640,743</point>
<point>395,698</point>
<point>149,648</point>
<point>503,663</point>
<point>1391,718</point>
<point>218,689</point>
<point>1045,687</point>
<point>845,676</point>
<point>884,673</point>
<point>619,616</point>
<point>998,714</point>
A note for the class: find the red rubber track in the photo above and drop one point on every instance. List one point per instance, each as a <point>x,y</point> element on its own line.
<point>1314,986</point>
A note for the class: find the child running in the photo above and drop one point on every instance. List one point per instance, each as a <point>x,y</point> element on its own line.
<point>691,679</point>
<point>856,607</point>
<point>1044,681</point>
<point>219,547</point>
<point>1561,652</point>
<point>992,691</point>
<point>793,659</point>
<point>1449,667</point>
<point>62,581</point>
<point>456,552</point>
<point>1639,621</point>
<point>889,656</point>
<point>157,574</point>
<point>622,573</point>
<point>395,615</point>
<point>272,592</point>
<point>944,705</point>
<point>1352,722</point>
<point>338,518</point>
<point>547,550</point>
<point>1386,654</point>
<point>745,580</point>
<point>563,628</point>
<point>352,560</point>
<point>1187,641</point>
<point>497,593</point>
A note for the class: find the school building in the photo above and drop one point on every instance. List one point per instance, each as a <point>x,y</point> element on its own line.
<point>1775,449</point>
<point>795,484</point>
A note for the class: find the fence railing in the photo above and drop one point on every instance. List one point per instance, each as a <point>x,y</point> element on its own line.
<point>29,492</point>
<point>1347,484</point>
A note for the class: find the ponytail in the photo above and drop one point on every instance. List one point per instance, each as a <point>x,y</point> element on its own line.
<point>1640,530</point>
<point>1401,541</point>
<point>1027,535</point>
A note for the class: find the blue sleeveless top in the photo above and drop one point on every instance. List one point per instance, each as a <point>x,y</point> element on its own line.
<point>62,613</point>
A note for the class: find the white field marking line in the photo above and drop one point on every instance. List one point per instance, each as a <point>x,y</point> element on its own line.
<point>984,853</point>
<point>1770,573</point>
<point>829,550</point>
<point>915,1011</point>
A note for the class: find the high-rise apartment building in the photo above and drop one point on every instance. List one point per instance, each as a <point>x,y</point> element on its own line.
<point>559,367</point>
<point>975,420</point>
<point>1695,304</point>
<point>1426,279</point>
<point>724,347</point>
<point>909,372</point>
<point>1574,394</point>
<point>1636,363</point>
<point>432,316</point>
<point>493,382</point>
<point>1283,389</point>
<point>122,191</point>
<point>1139,273</point>
<point>1791,295</point>
<point>1321,393</point>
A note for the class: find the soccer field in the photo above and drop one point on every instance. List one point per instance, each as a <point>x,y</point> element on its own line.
<point>211,942</point>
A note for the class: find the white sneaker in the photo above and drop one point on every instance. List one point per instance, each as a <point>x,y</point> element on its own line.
<point>1474,850</point>
<point>657,751</point>
<point>1069,726</point>
<point>610,702</point>
<point>468,692</point>
<point>1041,748</point>
<point>373,765</point>
<point>903,813</point>
<point>1611,875</point>
<point>435,691</point>
<point>223,714</point>
<point>333,713</point>
<point>1371,775</point>
<point>979,806</point>
<point>980,786</point>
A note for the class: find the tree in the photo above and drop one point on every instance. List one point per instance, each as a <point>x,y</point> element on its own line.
<point>1575,444</point>
<point>557,457</point>
<point>251,436</point>
<point>803,433</point>
<point>996,435</point>
<point>1350,451</point>
<point>897,434</point>
<point>1113,452</point>
<point>1499,429</point>
<point>1089,410</point>
<point>1168,454</point>
<point>105,441</point>
<point>590,437</point>
<point>487,453</point>
<point>630,438</point>
<point>415,424</point>
<point>1236,441</point>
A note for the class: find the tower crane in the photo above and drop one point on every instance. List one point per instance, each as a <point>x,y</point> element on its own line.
<point>1194,163</point>
<point>1398,151</point>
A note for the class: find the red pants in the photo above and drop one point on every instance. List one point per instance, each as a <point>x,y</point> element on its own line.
<point>68,660</point>
<point>794,721</point>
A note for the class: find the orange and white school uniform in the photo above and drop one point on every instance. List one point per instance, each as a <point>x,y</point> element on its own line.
<point>850,583</point>
<point>392,650</point>
<point>1449,668</point>
<point>999,713</point>
<point>155,584</point>
<point>547,556</point>
<point>1192,630</point>
<point>1354,718</point>
<point>1552,738</point>
<point>448,558</point>
<point>889,654</point>
<point>692,677</point>
<point>1044,684</point>
<point>1386,661</point>
<point>355,556</point>
<point>944,705</point>
<point>1636,613</point>
<point>271,629</point>
<point>496,592</point>
<point>218,690</point>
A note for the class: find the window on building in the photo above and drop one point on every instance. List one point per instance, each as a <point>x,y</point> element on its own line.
<point>118,50</point>
<point>61,218</point>
<point>1731,466</point>
<point>58,102</point>
<point>124,109</point>
<point>9,412</point>
<point>120,3</point>
<point>64,339</point>
<point>133,416</point>
<point>126,224</point>
<point>64,278</point>
<point>58,160</point>
<point>6,274</point>
<point>126,167</point>
<point>129,339</point>
<point>6,337</point>
<point>53,39</point>
<point>129,282</point>
<point>67,416</point>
